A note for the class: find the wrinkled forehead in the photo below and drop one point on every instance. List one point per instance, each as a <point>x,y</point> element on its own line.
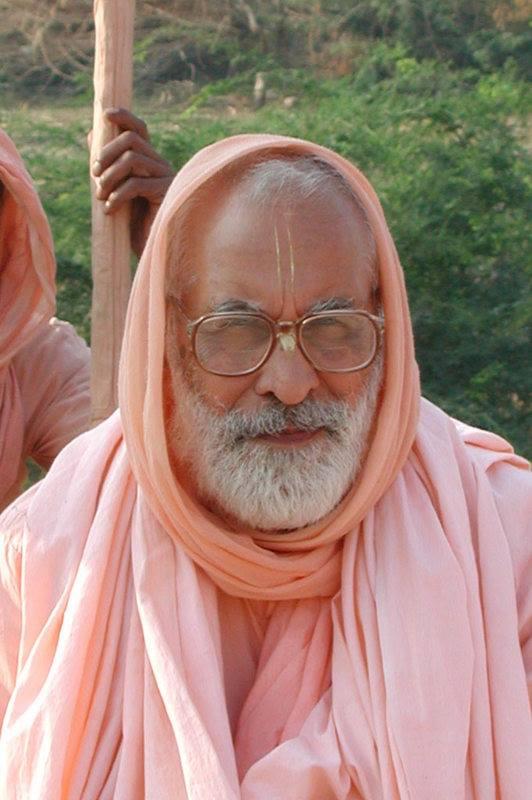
<point>277,224</point>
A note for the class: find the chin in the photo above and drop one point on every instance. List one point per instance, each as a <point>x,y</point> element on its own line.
<point>279,507</point>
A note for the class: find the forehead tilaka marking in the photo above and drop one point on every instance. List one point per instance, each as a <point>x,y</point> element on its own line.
<point>278,262</point>
<point>292,263</point>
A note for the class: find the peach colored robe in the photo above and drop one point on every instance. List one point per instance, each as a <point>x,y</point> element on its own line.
<point>44,389</point>
<point>383,653</point>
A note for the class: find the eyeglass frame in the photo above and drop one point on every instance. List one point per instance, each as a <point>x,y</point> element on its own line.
<point>278,328</point>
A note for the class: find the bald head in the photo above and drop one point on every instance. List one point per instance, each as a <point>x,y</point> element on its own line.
<point>268,185</point>
<point>305,179</point>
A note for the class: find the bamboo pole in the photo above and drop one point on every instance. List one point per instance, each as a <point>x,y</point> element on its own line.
<point>111,270</point>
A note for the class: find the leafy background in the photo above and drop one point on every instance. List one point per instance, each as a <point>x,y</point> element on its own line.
<point>431,98</point>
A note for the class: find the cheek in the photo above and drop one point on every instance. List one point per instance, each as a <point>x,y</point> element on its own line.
<point>225,394</point>
<point>221,393</point>
<point>345,387</point>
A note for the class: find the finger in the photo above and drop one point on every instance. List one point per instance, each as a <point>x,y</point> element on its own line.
<point>121,144</point>
<point>127,121</point>
<point>129,164</point>
<point>153,189</point>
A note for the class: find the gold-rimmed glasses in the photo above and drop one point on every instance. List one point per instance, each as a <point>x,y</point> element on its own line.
<point>232,343</point>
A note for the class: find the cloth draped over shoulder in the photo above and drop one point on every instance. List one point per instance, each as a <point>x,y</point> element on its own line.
<point>43,363</point>
<point>379,653</point>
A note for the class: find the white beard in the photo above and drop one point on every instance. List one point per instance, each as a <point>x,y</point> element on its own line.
<point>268,487</point>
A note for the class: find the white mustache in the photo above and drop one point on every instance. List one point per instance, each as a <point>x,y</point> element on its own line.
<point>275,418</point>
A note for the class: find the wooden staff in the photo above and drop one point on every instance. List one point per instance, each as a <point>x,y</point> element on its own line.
<point>111,270</point>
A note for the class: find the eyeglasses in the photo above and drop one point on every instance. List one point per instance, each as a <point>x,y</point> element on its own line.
<point>232,343</point>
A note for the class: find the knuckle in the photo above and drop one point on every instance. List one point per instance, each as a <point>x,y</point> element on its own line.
<point>102,185</point>
<point>129,158</point>
<point>129,139</point>
<point>129,189</point>
<point>131,184</point>
<point>143,129</point>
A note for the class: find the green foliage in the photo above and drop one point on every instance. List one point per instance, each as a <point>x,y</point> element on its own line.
<point>48,48</point>
<point>458,213</point>
<point>444,148</point>
<point>74,287</point>
<point>463,32</point>
<point>493,49</point>
<point>184,51</point>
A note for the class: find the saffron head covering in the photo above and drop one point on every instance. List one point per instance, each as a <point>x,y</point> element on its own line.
<point>27,297</point>
<point>27,263</point>
<point>305,562</point>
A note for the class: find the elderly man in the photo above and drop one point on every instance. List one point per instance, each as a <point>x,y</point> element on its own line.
<point>275,573</point>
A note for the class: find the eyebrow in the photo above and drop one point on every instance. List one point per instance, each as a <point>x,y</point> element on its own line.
<point>332,304</point>
<point>329,304</point>
<point>234,304</point>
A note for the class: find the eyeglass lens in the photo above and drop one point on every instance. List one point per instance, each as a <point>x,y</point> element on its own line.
<point>233,345</point>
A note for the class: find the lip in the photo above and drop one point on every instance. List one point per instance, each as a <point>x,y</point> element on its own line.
<point>290,436</point>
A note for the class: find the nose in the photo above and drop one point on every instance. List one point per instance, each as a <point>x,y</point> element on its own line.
<point>288,375</point>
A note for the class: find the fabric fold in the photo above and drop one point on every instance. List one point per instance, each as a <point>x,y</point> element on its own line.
<point>386,660</point>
